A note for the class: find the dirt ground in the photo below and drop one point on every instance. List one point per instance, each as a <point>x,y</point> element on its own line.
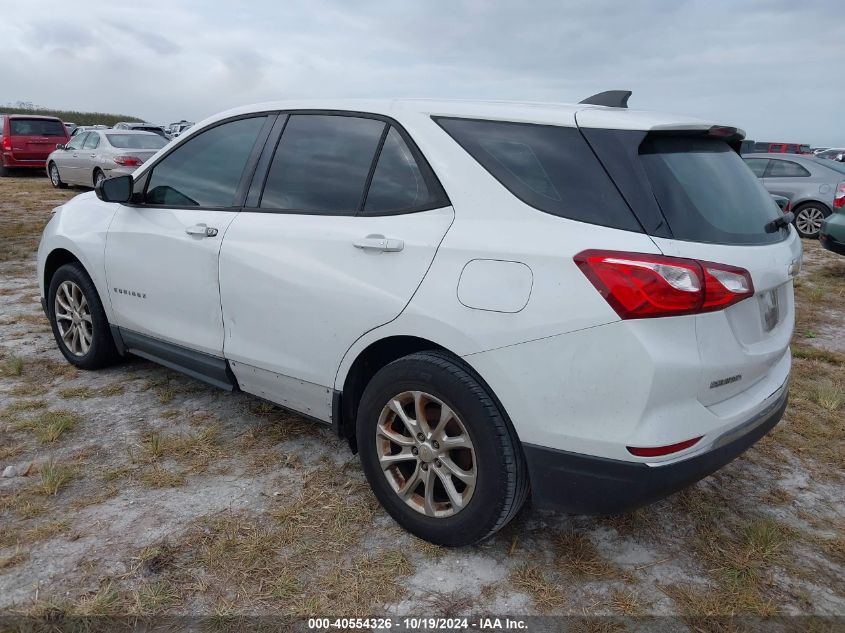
<point>140,491</point>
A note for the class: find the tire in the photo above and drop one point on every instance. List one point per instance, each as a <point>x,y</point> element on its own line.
<point>4,171</point>
<point>98,175</point>
<point>55,178</point>
<point>808,219</point>
<point>494,457</point>
<point>94,347</point>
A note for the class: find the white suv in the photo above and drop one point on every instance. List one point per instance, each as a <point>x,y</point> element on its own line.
<point>587,302</point>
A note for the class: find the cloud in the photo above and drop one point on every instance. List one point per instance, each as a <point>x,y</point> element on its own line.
<point>765,65</point>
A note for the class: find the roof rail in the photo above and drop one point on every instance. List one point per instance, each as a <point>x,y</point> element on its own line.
<point>610,98</point>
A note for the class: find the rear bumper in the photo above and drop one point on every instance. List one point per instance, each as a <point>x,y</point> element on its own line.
<point>829,242</point>
<point>583,484</point>
<point>15,163</point>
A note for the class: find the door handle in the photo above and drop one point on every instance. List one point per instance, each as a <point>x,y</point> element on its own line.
<point>379,243</point>
<point>201,230</point>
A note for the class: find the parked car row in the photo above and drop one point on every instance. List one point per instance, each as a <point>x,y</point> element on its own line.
<point>76,154</point>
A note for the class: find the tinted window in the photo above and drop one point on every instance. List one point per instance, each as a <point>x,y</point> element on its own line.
<point>136,141</point>
<point>757,165</point>
<point>206,170</point>
<point>37,127</point>
<point>704,192</point>
<point>397,182</point>
<point>786,169</point>
<point>322,163</point>
<point>77,141</point>
<point>91,141</point>
<point>549,167</point>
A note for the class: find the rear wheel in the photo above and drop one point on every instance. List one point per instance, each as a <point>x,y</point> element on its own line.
<point>99,177</point>
<point>4,171</point>
<point>440,455</point>
<point>79,322</point>
<point>55,178</point>
<point>809,218</point>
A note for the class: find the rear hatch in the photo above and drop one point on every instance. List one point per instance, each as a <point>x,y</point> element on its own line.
<point>35,138</point>
<point>696,199</point>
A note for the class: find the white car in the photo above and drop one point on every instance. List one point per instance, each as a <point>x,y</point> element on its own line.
<point>591,303</point>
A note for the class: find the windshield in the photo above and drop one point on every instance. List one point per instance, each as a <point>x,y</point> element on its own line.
<point>37,127</point>
<point>706,192</point>
<point>136,141</point>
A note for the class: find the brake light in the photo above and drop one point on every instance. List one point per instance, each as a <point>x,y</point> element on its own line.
<point>128,161</point>
<point>7,143</point>
<point>640,286</point>
<point>659,451</point>
<point>839,196</point>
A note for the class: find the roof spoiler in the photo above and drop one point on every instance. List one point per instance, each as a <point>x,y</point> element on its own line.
<point>609,98</point>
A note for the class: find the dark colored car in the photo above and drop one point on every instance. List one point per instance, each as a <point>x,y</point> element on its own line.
<point>832,232</point>
<point>26,140</point>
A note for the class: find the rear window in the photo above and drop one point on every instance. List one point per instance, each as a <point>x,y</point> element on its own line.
<point>136,141</point>
<point>548,167</point>
<point>37,127</point>
<point>705,192</point>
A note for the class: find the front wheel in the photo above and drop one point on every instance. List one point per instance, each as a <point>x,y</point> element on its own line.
<point>55,178</point>
<point>438,452</point>
<point>79,322</point>
<point>809,218</point>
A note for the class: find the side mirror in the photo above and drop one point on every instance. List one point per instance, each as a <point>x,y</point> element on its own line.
<point>117,189</point>
<point>60,146</point>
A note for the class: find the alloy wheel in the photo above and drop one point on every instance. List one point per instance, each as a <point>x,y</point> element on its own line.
<point>426,454</point>
<point>809,220</point>
<point>54,175</point>
<point>73,318</point>
<point>100,177</point>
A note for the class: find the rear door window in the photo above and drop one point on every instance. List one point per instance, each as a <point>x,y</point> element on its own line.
<point>322,164</point>
<point>92,141</point>
<point>757,165</point>
<point>786,169</point>
<point>548,167</point>
<point>704,192</point>
<point>37,127</point>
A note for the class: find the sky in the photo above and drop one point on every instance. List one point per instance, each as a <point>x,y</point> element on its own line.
<point>771,67</point>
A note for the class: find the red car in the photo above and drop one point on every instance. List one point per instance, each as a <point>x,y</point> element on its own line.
<point>782,148</point>
<point>26,140</point>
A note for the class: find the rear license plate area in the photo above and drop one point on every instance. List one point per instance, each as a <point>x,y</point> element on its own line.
<point>770,309</point>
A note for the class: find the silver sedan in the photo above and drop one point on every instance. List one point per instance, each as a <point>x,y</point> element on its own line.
<point>810,184</point>
<point>99,154</point>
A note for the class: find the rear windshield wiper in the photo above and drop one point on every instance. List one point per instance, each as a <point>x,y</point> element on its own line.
<point>780,223</point>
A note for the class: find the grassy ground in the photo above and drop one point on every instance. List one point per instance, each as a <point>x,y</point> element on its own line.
<point>148,493</point>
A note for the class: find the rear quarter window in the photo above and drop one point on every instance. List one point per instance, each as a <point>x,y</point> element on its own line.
<point>551,168</point>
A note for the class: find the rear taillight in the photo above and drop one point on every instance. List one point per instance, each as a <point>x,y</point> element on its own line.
<point>640,286</point>
<point>839,196</point>
<point>128,161</point>
<point>7,143</point>
<point>788,206</point>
